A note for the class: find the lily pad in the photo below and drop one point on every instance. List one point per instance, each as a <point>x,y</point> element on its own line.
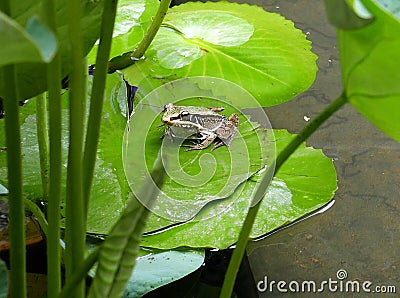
<point>268,56</point>
<point>131,23</point>
<point>370,72</point>
<point>198,177</point>
<point>305,182</point>
<point>159,268</point>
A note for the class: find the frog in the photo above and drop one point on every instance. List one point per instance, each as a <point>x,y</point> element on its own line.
<point>204,125</point>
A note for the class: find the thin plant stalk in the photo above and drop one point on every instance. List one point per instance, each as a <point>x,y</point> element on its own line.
<point>79,274</point>
<point>145,42</point>
<point>97,96</point>
<point>43,142</point>
<point>239,251</point>
<point>75,228</point>
<point>55,164</point>
<point>16,214</point>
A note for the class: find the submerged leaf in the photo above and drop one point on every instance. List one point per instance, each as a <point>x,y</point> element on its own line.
<point>159,268</point>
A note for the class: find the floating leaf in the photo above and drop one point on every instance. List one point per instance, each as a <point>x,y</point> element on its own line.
<point>197,177</point>
<point>131,23</point>
<point>160,268</point>
<point>305,182</point>
<point>267,56</point>
<point>369,61</point>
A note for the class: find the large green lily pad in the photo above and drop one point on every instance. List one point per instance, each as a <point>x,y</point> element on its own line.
<point>305,182</point>
<point>267,56</point>
<point>198,177</point>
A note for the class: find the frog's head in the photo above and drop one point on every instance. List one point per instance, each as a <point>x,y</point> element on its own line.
<point>173,114</point>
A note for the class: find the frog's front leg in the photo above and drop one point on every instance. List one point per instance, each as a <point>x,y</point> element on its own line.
<point>208,136</point>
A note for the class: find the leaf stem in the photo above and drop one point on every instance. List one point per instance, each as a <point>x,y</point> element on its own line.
<point>43,142</point>
<point>145,42</point>
<point>79,274</point>
<point>75,227</point>
<point>16,216</point>
<point>55,165</point>
<point>97,97</point>
<point>238,253</point>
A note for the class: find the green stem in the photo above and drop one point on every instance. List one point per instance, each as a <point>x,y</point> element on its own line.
<point>43,141</point>
<point>16,216</point>
<point>38,214</point>
<point>128,60</point>
<point>75,228</point>
<point>239,251</point>
<point>79,274</point>
<point>97,97</point>
<point>55,166</point>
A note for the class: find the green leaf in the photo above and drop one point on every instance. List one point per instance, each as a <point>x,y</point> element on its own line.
<point>347,14</point>
<point>3,280</point>
<point>267,56</point>
<point>160,268</point>
<point>131,23</point>
<point>31,77</point>
<point>3,190</point>
<point>305,182</point>
<point>369,60</point>
<point>198,177</point>
<point>35,44</point>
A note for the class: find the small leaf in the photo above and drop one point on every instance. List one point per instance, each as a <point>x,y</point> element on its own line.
<point>347,14</point>
<point>43,38</point>
<point>32,76</point>
<point>3,190</point>
<point>36,44</point>
<point>369,61</point>
<point>160,268</point>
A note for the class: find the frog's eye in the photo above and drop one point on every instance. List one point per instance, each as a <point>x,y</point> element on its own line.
<point>184,113</point>
<point>168,106</point>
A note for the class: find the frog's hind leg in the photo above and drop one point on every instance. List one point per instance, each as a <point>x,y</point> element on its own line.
<point>209,137</point>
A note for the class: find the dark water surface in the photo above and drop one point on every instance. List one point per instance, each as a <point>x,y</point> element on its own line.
<point>361,232</point>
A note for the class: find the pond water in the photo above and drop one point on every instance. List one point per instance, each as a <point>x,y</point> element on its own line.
<point>360,233</point>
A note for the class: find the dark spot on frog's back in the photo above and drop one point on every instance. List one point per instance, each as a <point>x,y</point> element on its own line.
<point>204,50</point>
